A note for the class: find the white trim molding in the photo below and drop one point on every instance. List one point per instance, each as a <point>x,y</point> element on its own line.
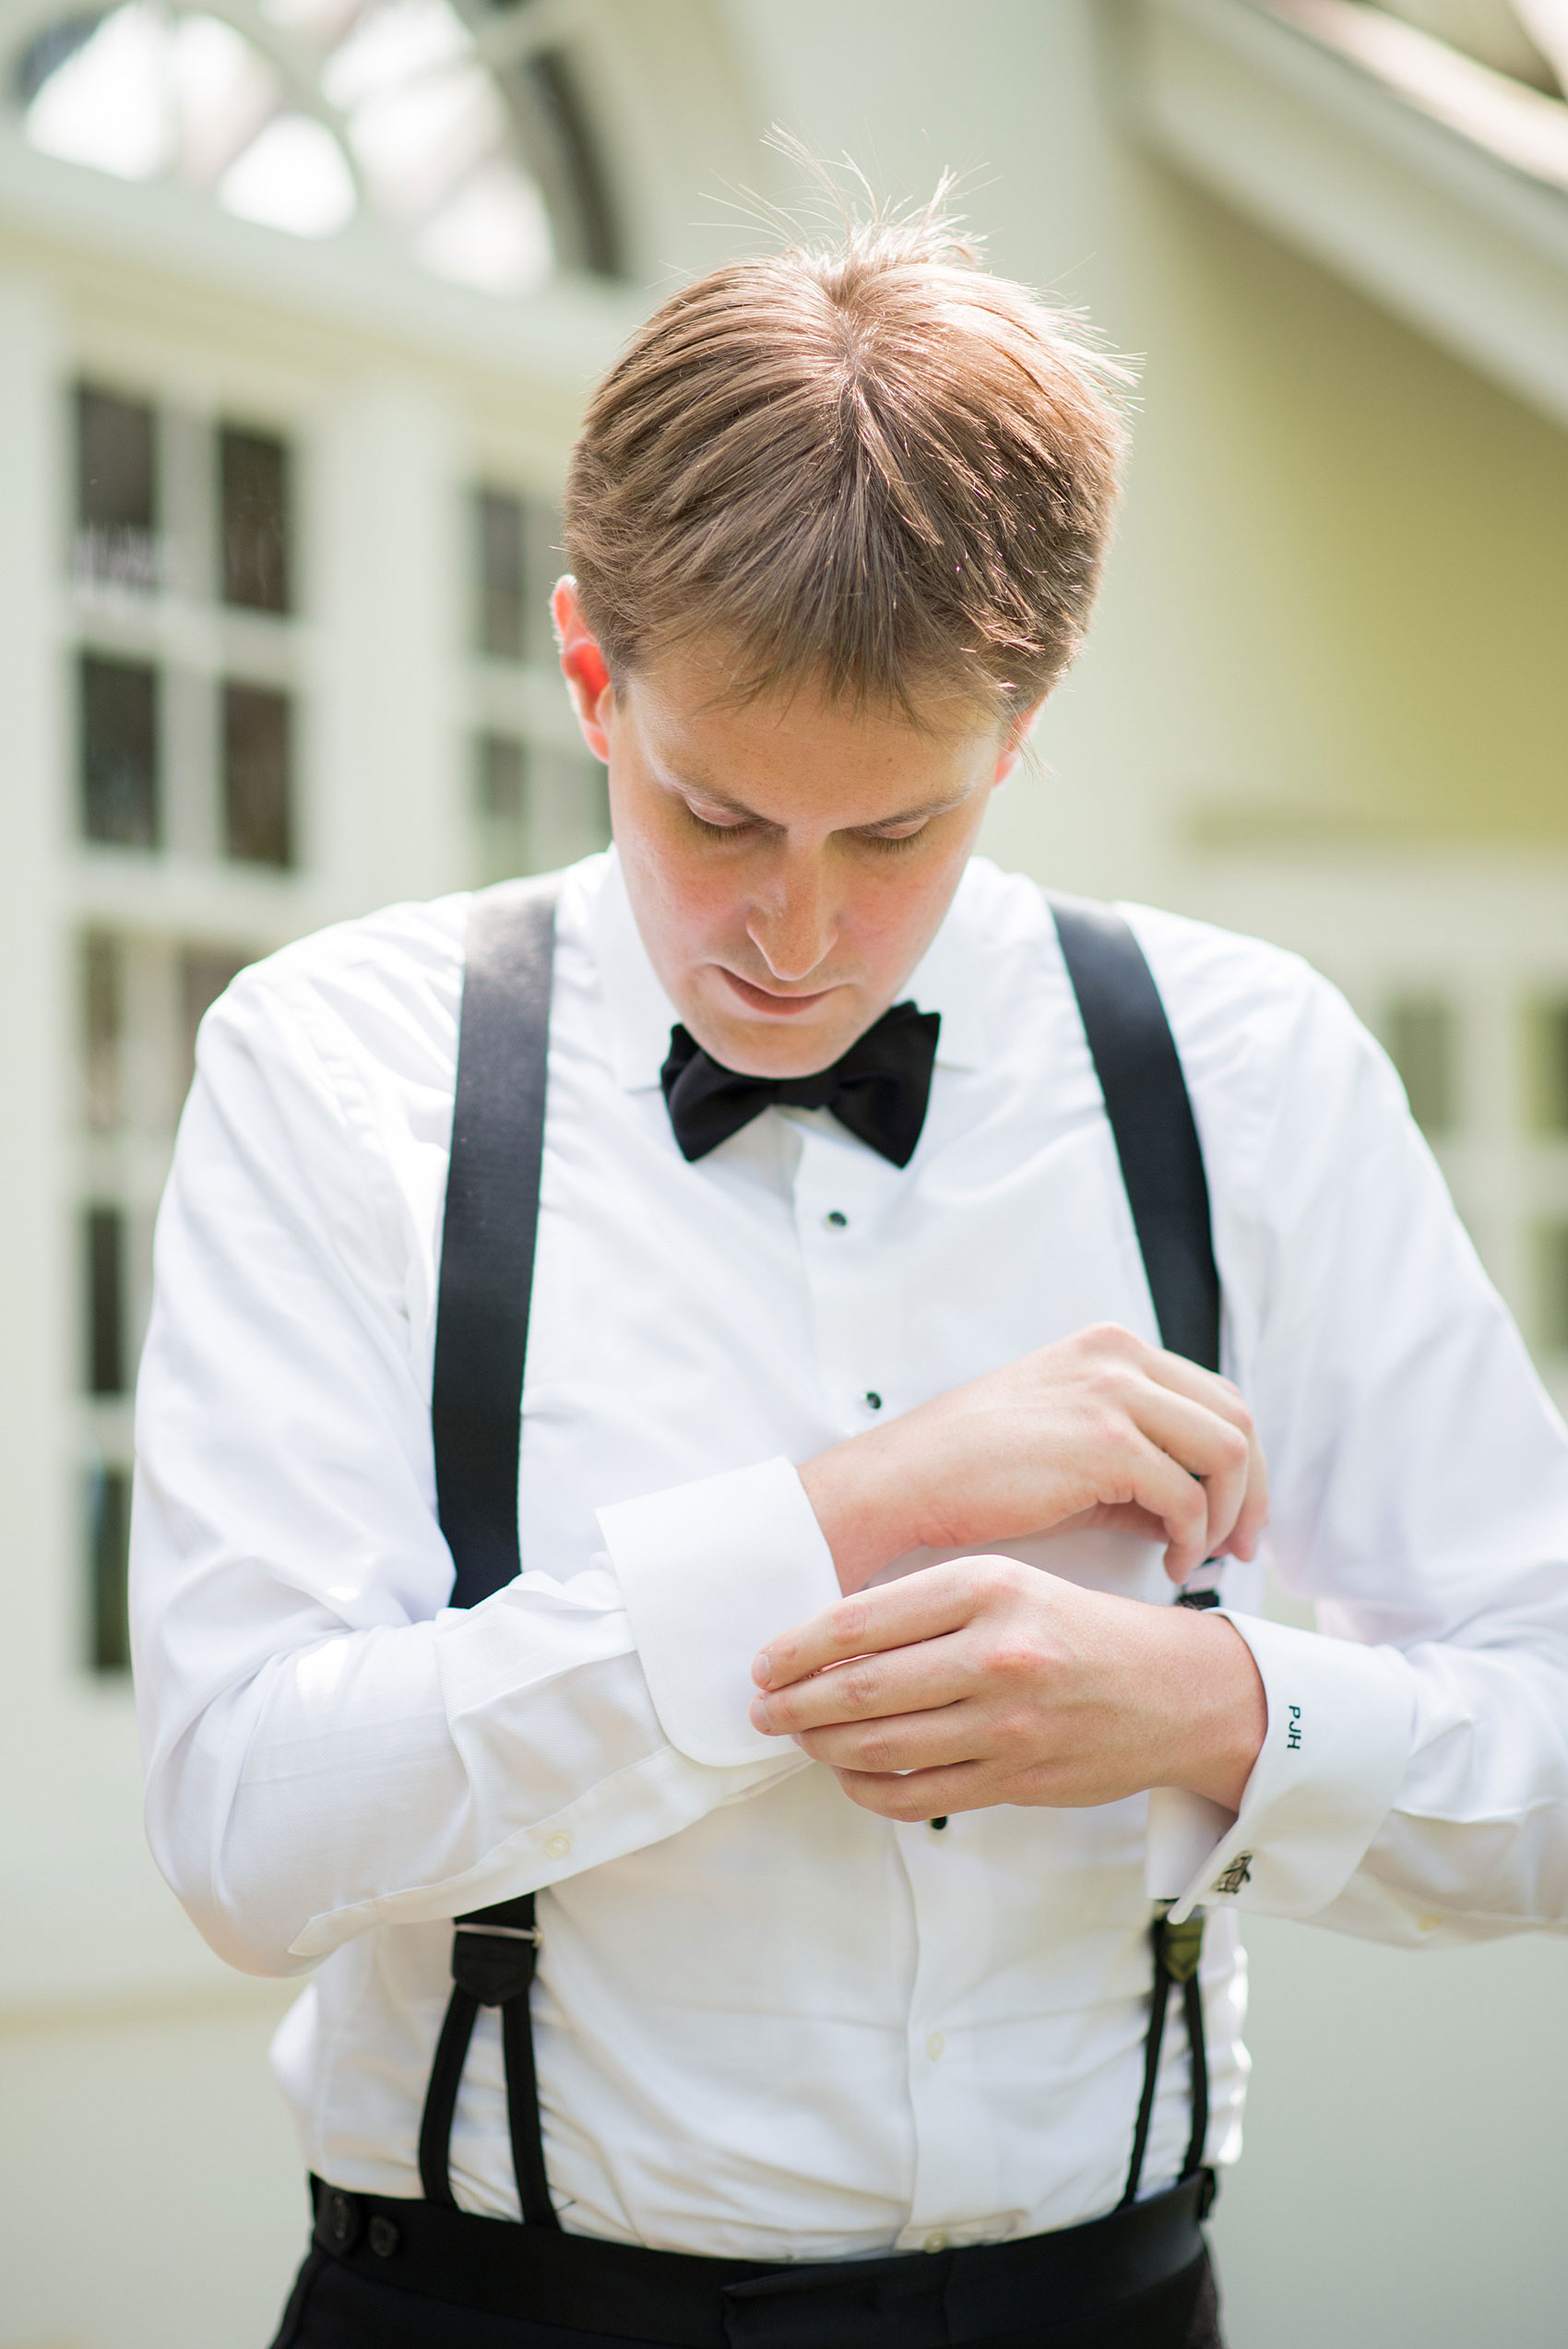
<point>1434,185</point>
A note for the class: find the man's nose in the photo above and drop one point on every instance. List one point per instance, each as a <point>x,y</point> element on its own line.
<point>794,927</point>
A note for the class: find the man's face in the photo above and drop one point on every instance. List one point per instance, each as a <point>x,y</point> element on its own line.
<point>788,861</point>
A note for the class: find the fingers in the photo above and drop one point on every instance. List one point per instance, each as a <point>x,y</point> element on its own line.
<point>922,1794</point>
<point>903,1743</point>
<point>871,1686</point>
<point>1236,1479</point>
<point>1247,1531</point>
<point>1216,1393</point>
<point>1213,1450</point>
<point>922,1605</point>
<point>1180,1501</point>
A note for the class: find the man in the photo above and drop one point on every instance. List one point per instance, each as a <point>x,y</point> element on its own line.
<point>824,1711</point>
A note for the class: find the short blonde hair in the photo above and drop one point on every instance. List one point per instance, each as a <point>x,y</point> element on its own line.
<point>870,464</point>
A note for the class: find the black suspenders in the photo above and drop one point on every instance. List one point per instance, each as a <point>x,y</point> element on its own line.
<point>481,1335</point>
<point>487,1253</point>
<point>1150,1113</point>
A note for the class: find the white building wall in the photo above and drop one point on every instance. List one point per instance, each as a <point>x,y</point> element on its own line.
<point>134,2081</point>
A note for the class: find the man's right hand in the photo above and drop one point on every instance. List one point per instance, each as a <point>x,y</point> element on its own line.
<point>1100,1429</point>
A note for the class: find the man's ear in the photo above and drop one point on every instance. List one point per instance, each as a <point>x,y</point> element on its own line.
<point>584,668</point>
<point>1012,745</point>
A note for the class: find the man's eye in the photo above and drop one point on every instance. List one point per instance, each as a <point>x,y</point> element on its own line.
<point>895,840</point>
<point>718,828</point>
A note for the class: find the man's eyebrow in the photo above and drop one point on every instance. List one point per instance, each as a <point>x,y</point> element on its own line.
<point>732,807</point>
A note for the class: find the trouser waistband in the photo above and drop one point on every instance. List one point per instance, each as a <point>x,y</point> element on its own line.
<point>911,2300</point>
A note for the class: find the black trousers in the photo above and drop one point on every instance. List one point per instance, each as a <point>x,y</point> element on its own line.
<point>332,2307</point>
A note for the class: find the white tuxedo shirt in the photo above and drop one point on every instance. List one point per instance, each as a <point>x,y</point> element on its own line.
<point>769,2024</point>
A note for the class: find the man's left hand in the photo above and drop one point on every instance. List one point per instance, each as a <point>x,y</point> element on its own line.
<point>986,1681</point>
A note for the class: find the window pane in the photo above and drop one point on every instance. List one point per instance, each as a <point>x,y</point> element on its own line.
<point>116,490</point>
<point>103,1234</point>
<point>499,574</point>
<point>254,487</point>
<point>1547,1067</point>
<point>104,1014</point>
<point>569,808</point>
<point>1422,1043</point>
<point>500,806</point>
<point>1551,1315</point>
<point>205,971</point>
<point>547,94</point>
<point>119,752</point>
<point>108,1542</point>
<point>256,785</point>
<point>544,562</point>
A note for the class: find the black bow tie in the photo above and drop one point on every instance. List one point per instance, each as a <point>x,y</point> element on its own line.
<point>879,1089</point>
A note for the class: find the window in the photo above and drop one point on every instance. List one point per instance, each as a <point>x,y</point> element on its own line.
<point>108,1513</point>
<point>253,471</point>
<point>256,796</point>
<point>116,490</point>
<point>498,528</point>
<point>538,809</point>
<point>458,130</point>
<point>1550,1331</point>
<point>1546,1067</point>
<point>188,759</point>
<point>139,1001</point>
<point>205,971</point>
<point>118,704</point>
<point>538,800</point>
<point>501,786</point>
<point>518,560</point>
<point>1422,1041</point>
<point>568,807</point>
<point>103,1231</point>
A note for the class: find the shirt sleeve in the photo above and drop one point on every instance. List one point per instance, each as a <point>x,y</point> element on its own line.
<point>329,1745</point>
<point>1413,1782</point>
<point>673,1554</point>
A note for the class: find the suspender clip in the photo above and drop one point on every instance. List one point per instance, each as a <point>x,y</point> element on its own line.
<point>494,1962</point>
<point>1179,1946</point>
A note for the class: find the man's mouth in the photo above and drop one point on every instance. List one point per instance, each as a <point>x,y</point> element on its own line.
<point>773,1003</point>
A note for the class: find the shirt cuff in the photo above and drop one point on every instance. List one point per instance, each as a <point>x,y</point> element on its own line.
<point>710,1572</point>
<point>1341,1725</point>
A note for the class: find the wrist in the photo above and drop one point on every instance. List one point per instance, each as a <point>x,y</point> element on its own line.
<point>861,1499</point>
<point>1222,1712</point>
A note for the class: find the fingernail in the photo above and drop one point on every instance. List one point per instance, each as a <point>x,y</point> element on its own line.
<point>759,1716</point>
<point>762,1669</point>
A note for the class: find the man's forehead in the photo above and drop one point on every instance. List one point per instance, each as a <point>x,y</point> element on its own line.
<point>781,756</point>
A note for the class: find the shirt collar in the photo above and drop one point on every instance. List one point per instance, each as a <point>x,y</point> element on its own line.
<point>948,979</point>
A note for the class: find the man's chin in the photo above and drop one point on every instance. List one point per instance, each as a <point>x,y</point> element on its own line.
<point>774,1048</point>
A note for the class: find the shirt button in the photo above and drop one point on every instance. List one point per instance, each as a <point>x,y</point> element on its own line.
<point>936,2241</point>
<point>934,2046</point>
<point>872,1400</point>
<point>556,1847</point>
<point>836,1219</point>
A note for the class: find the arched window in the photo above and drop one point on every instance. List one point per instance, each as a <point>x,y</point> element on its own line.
<point>454,127</point>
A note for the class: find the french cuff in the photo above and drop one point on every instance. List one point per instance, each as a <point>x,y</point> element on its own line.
<point>1341,1724</point>
<point>710,1572</point>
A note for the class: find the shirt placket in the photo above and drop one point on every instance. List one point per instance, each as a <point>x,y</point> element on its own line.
<point>858,1281</point>
<point>955,2182</point>
<point>852,1277</point>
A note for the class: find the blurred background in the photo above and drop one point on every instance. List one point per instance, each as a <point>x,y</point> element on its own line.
<point>298,303</point>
